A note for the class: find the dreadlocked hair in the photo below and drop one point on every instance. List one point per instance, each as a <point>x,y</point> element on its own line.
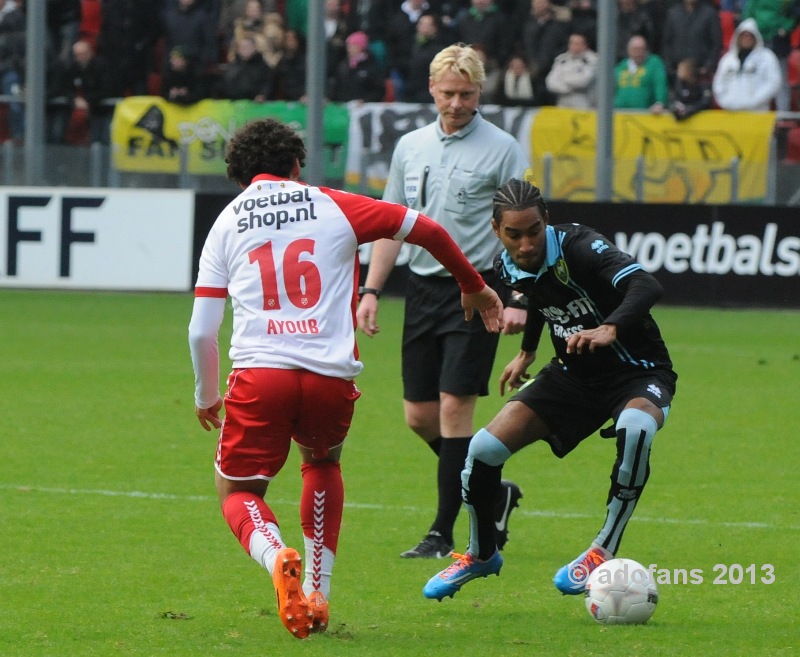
<point>517,195</point>
<point>263,146</point>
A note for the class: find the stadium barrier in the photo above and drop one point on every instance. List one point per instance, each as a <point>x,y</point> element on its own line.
<point>704,255</point>
<point>150,240</point>
<point>715,157</point>
<point>96,238</point>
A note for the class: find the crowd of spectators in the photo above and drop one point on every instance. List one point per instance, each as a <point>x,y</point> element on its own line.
<point>676,56</point>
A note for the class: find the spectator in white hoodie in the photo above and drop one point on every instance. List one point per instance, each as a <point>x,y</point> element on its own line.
<point>748,76</point>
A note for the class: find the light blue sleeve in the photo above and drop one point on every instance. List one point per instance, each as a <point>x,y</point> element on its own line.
<point>393,191</point>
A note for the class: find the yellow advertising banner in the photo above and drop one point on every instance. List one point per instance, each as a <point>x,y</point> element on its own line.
<point>711,157</point>
<point>149,133</point>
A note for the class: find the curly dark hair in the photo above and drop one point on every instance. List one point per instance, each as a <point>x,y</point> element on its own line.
<point>263,146</point>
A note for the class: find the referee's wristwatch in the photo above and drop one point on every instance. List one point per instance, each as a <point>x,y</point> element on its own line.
<point>368,290</point>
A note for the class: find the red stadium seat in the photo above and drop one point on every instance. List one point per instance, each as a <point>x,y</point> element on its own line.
<point>793,146</point>
<point>90,21</point>
<point>389,95</point>
<point>154,84</point>
<point>4,133</point>
<point>727,20</point>
<point>78,129</point>
<point>793,75</point>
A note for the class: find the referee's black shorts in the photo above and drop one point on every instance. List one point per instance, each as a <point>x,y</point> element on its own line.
<point>441,351</point>
<point>573,408</point>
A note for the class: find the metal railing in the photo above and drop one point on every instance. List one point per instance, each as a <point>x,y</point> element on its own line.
<point>92,166</point>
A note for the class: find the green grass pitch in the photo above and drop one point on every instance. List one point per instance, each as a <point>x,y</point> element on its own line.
<point>112,543</point>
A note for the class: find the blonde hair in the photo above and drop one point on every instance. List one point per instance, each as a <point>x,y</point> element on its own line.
<point>460,59</point>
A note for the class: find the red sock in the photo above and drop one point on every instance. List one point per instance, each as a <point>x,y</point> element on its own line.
<point>246,512</point>
<point>321,502</point>
<point>321,517</point>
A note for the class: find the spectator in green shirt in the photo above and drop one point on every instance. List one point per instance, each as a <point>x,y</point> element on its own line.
<point>641,79</point>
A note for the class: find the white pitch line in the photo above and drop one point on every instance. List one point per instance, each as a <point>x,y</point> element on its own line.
<point>135,494</point>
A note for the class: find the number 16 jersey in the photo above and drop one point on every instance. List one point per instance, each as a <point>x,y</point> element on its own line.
<point>286,254</point>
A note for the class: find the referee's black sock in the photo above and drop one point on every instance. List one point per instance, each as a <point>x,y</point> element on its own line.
<point>452,456</point>
<point>436,445</point>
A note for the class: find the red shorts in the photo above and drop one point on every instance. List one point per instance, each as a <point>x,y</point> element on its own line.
<point>266,408</point>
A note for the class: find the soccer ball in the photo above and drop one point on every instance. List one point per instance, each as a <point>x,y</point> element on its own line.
<point>621,592</point>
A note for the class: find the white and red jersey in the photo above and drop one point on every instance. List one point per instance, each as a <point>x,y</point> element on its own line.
<point>286,254</point>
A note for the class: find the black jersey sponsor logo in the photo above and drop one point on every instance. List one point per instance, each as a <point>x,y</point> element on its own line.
<point>563,332</point>
<point>574,310</point>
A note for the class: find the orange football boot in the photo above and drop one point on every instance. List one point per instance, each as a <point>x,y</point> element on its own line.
<point>293,607</point>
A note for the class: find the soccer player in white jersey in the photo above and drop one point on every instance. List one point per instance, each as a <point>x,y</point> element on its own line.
<point>286,255</point>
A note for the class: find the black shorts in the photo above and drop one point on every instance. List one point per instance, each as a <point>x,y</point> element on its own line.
<point>441,351</point>
<point>574,408</point>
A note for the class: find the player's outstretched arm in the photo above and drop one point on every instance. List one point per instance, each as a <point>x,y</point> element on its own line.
<point>475,294</point>
<point>515,373</point>
<point>488,304</point>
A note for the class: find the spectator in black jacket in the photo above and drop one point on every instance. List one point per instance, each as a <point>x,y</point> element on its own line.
<point>583,20</point>
<point>336,31</point>
<point>128,33</point>
<point>400,36</point>
<point>80,85</point>
<point>633,20</point>
<point>194,30</point>
<point>63,25</point>
<point>427,44</point>
<point>544,38</point>
<point>247,77</point>
<point>290,73</point>
<point>692,30</point>
<point>690,94</point>
<point>359,77</point>
<point>182,82</point>
<point>486,26</point>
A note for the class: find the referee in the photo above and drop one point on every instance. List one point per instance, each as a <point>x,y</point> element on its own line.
<point>450,170</point>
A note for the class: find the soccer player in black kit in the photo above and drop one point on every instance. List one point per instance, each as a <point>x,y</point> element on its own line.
<point>610,364</point>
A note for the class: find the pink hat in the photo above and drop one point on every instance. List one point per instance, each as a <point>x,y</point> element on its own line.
<point>359,39</point>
